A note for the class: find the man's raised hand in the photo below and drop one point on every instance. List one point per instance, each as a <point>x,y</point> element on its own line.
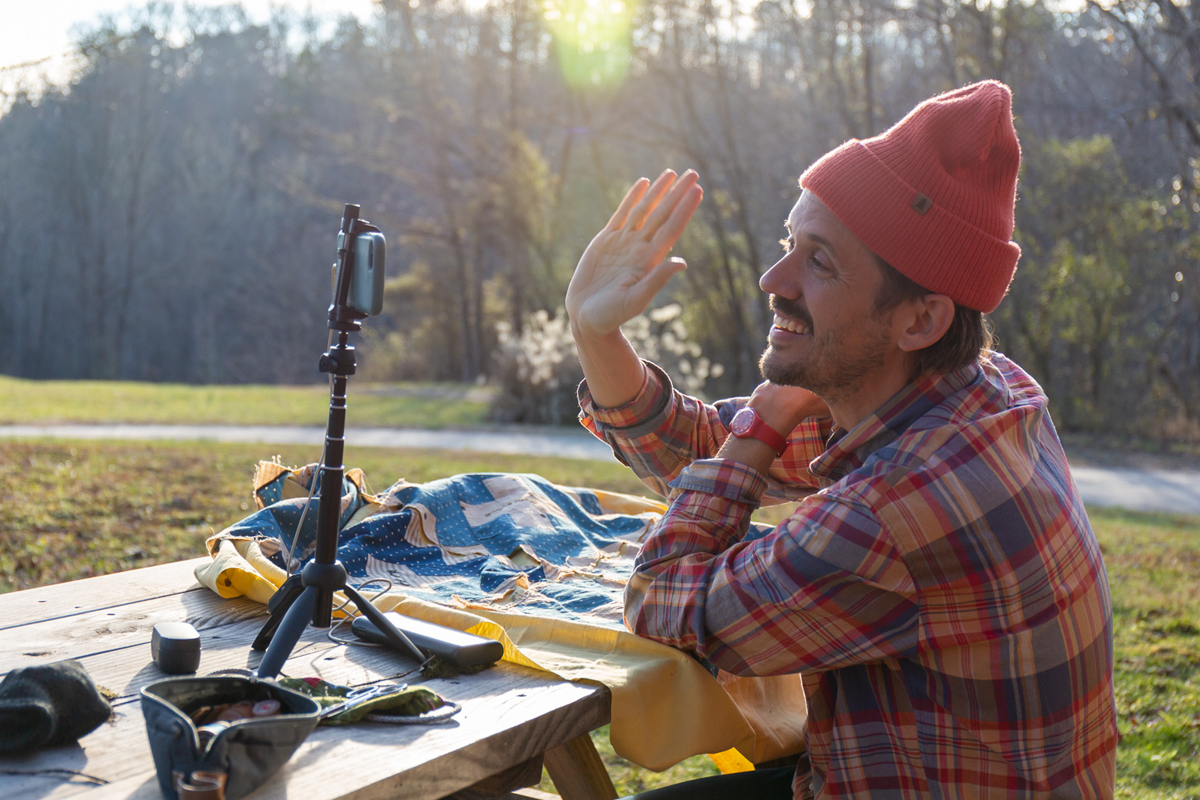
<point>626,264</point>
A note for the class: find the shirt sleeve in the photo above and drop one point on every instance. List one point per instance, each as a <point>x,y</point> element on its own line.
<point>661,431</point>
<point>824,590</point>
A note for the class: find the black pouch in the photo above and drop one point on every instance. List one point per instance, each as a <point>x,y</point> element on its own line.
<point>228,760</point>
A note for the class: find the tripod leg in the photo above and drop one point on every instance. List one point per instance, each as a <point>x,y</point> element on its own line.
<point>279,604</point>
<point>396,637</point>
<point>290,629</point>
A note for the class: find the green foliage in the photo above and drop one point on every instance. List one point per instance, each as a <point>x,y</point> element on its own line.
<point>1083,313</point>
<point>724,309</point>
<point>484,251</point>
<point>425,329</point>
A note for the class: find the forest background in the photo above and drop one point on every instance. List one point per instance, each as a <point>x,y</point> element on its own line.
<point>169,213</point>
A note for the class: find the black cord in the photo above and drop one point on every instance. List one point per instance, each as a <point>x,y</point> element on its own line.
<point>65,774</point>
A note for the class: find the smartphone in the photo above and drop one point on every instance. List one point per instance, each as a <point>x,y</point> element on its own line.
<point>365,293</point>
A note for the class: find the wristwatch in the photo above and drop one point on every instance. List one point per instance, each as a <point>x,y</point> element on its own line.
<point>747,424</point>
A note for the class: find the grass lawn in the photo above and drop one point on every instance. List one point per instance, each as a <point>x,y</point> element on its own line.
<point>74,509</point>
<point>393,405</point>
<point>1153,565</point>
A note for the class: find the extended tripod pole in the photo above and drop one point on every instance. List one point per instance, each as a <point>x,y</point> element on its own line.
<point>308,596</point>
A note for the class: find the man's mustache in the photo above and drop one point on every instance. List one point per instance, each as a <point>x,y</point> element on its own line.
<point>790,308</point>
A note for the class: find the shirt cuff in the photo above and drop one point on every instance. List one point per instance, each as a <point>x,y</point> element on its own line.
<point>721,477</point>
<point>646,404</point>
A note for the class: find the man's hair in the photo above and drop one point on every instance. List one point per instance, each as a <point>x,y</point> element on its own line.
<point>964,342</point>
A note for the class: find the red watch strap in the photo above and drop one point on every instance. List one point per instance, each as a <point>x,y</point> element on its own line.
<point>758,429</point>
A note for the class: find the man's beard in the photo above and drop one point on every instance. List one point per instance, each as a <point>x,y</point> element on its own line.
<point>828,371</point>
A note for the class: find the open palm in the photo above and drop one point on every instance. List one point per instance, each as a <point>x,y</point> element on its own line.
<point>626,263</point>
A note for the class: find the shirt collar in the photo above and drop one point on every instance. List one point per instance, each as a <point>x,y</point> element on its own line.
<point>848,450</point>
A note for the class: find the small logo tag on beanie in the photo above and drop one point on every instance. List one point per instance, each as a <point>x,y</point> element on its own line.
<point>920,204</point>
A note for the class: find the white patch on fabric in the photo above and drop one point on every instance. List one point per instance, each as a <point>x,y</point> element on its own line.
<point>401,575</point>
<point>514,498</point>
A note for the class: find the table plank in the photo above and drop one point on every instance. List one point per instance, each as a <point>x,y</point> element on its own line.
<point>92,594</point>
<point>120,626</point>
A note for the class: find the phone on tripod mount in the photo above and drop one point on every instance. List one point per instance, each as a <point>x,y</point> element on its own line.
<point>366,279</point>
<point>307,597</point>
<point>357,273</point>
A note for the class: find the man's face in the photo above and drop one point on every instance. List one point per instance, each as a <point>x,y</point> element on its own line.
<point>828,336</point>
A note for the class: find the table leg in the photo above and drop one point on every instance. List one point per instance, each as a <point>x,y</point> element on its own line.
<point>577,771</point>
<point>503,783</point>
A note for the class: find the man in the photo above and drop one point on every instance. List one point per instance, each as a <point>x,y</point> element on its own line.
<point>942,593</point>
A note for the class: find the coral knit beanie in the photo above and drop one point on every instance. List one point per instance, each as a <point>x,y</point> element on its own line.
<point>934,195</point>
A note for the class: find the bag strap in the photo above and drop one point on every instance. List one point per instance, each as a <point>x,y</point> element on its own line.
<point>200,785</point>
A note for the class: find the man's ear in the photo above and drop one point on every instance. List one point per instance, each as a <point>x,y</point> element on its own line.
<point>926,320</point>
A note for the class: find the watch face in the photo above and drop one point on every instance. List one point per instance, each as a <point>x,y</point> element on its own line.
<point>742,421</point>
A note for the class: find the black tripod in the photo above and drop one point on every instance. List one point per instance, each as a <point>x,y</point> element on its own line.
<point>308,595</point>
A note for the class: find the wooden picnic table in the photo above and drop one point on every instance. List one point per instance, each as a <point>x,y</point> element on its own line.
<point>511,716</point>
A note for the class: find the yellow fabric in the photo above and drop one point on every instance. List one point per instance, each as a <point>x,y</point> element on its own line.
<point>239,568</point>
<point>665,706</point>
<point>730,761</point>
<point>617,503</point>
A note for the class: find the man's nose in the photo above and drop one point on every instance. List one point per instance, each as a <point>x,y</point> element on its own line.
<point>774,281</point>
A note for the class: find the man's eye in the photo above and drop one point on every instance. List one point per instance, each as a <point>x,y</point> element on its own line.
<point>818,264</point>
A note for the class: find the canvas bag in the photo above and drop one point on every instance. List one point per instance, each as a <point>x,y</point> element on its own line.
<point>238,759</point>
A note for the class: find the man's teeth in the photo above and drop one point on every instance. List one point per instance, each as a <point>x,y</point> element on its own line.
<point>791,325</point>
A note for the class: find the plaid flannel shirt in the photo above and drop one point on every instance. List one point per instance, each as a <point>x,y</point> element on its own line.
<point>942,594</point>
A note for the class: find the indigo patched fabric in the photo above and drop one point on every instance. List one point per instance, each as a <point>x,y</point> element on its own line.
<point>539,567</point>
<point>505,539</point>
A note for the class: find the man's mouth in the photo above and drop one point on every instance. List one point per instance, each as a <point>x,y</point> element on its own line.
<point>792,326</point>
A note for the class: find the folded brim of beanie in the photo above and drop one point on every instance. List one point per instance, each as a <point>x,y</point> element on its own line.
<point>48,705</point>
<point>843,178</point>
<point>25,724</point>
